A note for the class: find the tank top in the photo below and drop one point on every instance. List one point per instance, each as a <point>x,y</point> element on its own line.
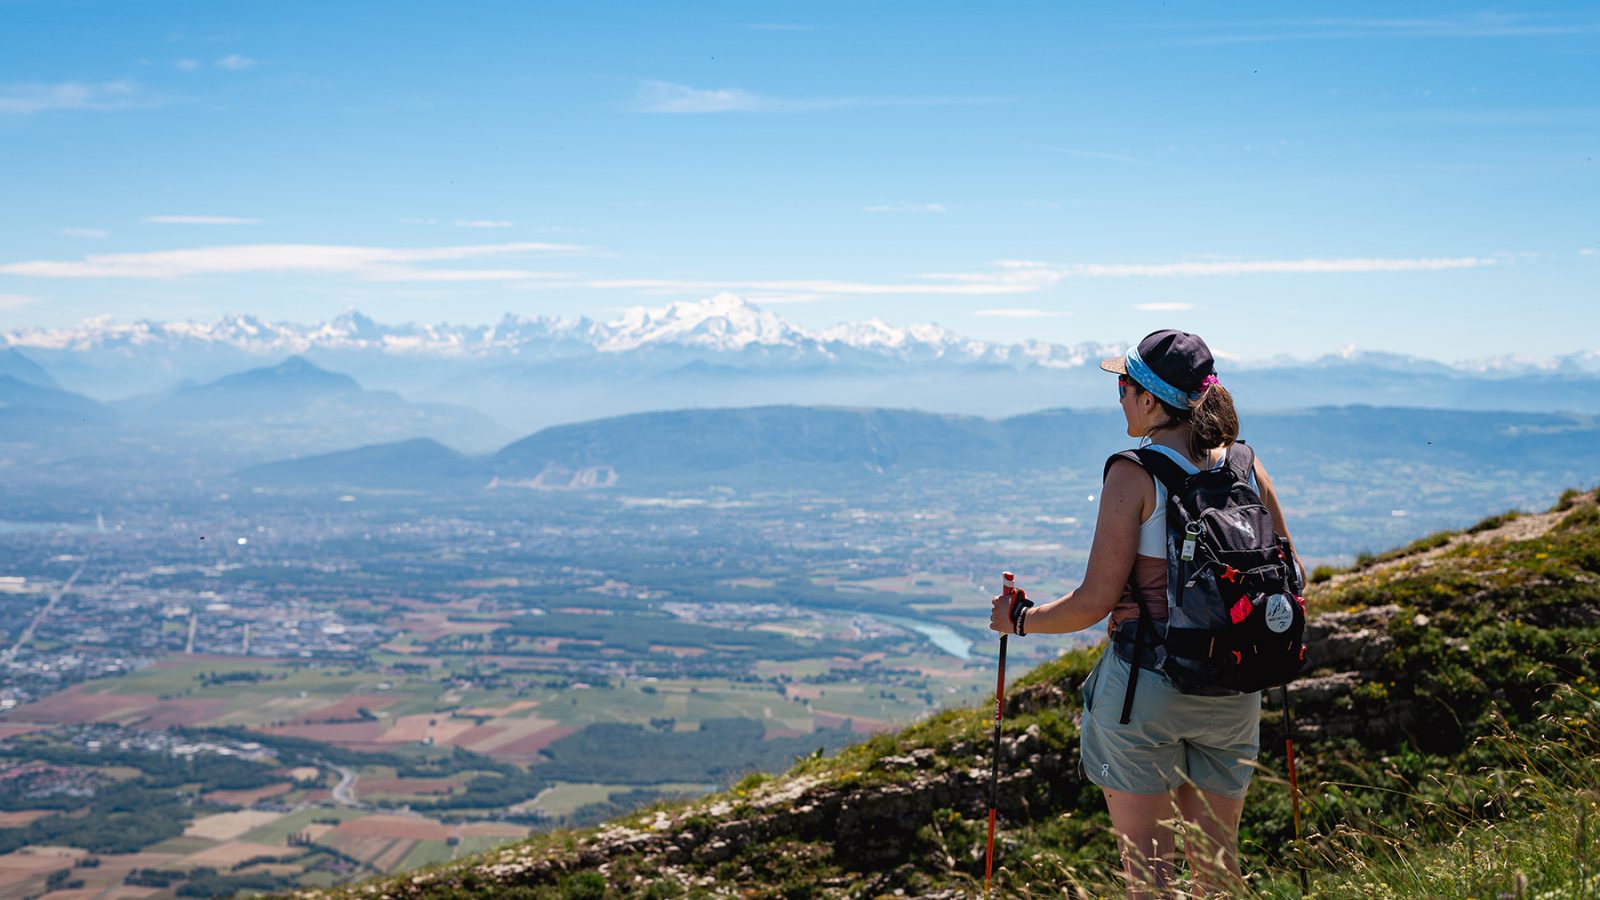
<point>1147,583</point>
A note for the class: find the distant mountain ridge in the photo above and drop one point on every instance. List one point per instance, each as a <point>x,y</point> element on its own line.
<point>15,364</point>
<point>775,446</point>
<point>533,372</point>
<point>723,325</point>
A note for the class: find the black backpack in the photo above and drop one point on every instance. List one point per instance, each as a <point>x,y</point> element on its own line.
<point>1235,618</point>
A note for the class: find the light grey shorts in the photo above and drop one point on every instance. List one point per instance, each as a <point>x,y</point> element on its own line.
<point>1171,736</point>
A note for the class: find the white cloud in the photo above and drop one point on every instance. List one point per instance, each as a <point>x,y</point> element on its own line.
<point>1163,307</point>
<point>670,97</point>
<point>1468,25</point>
<point>1042,274</point>
<point>377,263</point>
<point>781,299</point>
<point>96,233</point>
<point>666,97</point>
<point>24,99</point>
<point>1025,276</point>
<point>15,301</point>
<point>235,63</point>
<point>906,208</point>
<point>1587,251</point>
<point>201,220</point>
<point>411,273</point>
<point>483,223</point>
<point>1093,154</point>
<point>804,286</point>
<point>1019,313</point>
<point>187,65</point>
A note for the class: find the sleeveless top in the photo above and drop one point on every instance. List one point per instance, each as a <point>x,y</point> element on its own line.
<point>1147,582</point>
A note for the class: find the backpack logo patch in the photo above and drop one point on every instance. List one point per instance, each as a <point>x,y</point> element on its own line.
<point>1280,613</point>
<point>1240,523</point>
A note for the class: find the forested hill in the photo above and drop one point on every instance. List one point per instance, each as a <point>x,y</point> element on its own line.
<point>1444,733</point>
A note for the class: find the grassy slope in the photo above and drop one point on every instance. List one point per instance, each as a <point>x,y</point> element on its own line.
<point>1457,757</point>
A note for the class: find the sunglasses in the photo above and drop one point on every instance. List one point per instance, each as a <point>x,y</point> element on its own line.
<point>1123,383</point>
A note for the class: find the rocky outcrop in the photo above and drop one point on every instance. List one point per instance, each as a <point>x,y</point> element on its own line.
<point>867,827</point>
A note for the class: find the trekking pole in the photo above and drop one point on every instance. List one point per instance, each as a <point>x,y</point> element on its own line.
<point>1294,787</point>
<point>1013,596</point>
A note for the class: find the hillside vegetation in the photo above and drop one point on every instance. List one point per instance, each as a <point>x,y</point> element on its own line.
<point>1445,737</point>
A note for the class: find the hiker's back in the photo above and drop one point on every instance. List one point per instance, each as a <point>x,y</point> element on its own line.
<point>1230,618</point>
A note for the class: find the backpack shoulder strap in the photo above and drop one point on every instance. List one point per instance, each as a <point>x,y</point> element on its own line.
<point>1242,460</point>
<point>1129,455</point>
<point>1162,466</point>
<point>1155,462</point>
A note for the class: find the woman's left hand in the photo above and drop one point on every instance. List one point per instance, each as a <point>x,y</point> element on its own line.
<point>1000,614</point>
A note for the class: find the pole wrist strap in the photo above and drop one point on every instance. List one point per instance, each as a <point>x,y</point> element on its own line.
<point>1020,604</point>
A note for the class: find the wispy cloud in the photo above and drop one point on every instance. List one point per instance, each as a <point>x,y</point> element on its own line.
<point>15,301</point>
<point>483,223</point>
<point>412,273</point>
<point>96,233</point>
<point>803,286</point>
<point>1019,313</point>
<point>375,263</point>
<point>670,97</point>
<point>1026,276</point>
<point>235,63</point>
<point>906,208</point>
<point>1011,271</point>
<point>25,99</point>
<point>201,220</point>
<point>1092,154</point>
<point>666,97</point>
<point>1163,307</point>
<point>1466,26</point>
<point>187,65</point>
<point>782,299</point>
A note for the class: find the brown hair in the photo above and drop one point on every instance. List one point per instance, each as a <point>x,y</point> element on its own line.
<point>1212,420</point>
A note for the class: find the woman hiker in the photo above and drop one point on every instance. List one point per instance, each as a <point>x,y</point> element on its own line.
<point>1179,755</point>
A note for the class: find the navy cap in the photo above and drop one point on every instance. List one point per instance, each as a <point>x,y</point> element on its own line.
<point>1171,364</point>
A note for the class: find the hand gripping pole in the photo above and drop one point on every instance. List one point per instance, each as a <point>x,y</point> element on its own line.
<point>1013,597</point>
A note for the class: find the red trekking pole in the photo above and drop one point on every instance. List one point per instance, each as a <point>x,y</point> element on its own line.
<point>1294,786</point>
<point>1014,597</point>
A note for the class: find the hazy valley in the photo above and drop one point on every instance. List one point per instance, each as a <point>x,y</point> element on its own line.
<point>384,627</point>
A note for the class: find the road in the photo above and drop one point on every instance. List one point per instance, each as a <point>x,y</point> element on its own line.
<point>27,633</point>
<point>347,783</point>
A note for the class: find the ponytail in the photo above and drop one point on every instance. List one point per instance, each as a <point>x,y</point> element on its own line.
<point>1212,420</point>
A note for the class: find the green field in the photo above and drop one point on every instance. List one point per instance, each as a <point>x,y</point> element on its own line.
<point>277,833</point>
<point>565,799</point>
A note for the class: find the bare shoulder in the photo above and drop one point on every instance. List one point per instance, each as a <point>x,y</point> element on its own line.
<point>1129,485</point>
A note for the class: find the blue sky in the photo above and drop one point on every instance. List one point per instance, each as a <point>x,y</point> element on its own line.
<point>1279,179</point>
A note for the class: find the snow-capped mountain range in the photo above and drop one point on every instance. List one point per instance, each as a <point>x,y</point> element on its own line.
<point>724,324</point>
<point>721,327</point>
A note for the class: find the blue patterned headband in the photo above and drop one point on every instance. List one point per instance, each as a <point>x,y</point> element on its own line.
<point>1150,381</point>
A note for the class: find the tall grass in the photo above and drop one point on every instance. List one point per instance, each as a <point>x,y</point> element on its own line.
<point>1525,826</point>
<point>1520,827</point>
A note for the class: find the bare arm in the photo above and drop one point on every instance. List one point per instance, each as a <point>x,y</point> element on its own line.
<point>1269,497</point>
<point>1125,498</point>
